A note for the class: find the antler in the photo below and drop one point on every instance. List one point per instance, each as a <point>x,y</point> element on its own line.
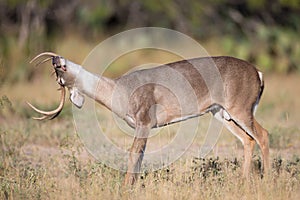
<point>54,113</point>
<point>45,60</point>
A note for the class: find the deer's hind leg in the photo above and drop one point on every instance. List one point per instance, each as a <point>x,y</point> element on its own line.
<point>262,138</point>
<point>247,141</point>
<point>247,122</point>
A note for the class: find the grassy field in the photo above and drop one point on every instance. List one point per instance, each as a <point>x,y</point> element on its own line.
<point>46,160</point>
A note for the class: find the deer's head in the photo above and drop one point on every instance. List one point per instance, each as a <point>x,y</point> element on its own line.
<point>66,74</point>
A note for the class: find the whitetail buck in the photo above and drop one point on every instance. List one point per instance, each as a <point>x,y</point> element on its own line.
<point>241,90</point>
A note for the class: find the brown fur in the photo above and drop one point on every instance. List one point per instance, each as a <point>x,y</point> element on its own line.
<point>227,87</point>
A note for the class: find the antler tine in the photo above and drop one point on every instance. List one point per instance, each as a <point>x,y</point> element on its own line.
<point>43,54</point>
<point>40,118</point>
<point>54,113</point>
<point>43,61</point>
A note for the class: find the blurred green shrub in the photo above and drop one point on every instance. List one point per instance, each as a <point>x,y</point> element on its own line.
<point>260,31</point>
<point>272,49</point>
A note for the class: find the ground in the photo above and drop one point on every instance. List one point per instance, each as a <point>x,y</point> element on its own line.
<point>47,160</point>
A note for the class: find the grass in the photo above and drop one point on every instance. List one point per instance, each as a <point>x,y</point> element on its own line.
<point>47,160</point>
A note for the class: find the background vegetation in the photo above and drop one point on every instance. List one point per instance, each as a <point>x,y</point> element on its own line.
<point>264,32</point>
<point>48,161</point>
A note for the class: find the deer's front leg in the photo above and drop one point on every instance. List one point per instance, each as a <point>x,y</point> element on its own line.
<point>136,154</point>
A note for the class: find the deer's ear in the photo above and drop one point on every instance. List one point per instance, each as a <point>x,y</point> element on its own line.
<point>76,97</point>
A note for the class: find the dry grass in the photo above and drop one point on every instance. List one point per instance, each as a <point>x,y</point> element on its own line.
<point>46,160</point>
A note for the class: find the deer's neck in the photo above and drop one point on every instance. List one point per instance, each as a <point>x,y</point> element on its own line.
<point>96,87</point>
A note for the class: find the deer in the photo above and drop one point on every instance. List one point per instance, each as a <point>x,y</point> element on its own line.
<point>134,96</point>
